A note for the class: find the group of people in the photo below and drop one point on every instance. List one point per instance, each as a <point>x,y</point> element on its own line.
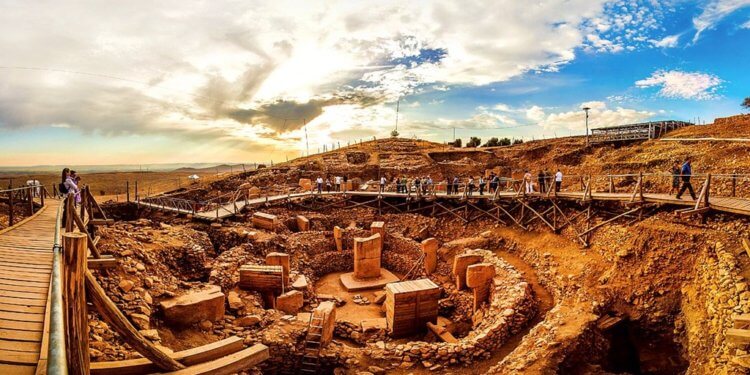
<point>69,184</point>
<point>541,181</point>
<point>339,183</point>
<point>421,184</point>
<point>682,173</point>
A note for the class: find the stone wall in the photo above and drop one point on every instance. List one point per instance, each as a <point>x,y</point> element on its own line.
<point>512,306</point>
<point>708,303</point>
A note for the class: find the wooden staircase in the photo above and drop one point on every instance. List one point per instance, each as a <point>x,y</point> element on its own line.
<point>310,362</point>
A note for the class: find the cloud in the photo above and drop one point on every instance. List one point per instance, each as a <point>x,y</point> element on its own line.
<point>746,25</point>
<point>713,13</point>
<point>250,71</point>
<point>682,85</point>
<point>599,116</point>
<point>670,41</point>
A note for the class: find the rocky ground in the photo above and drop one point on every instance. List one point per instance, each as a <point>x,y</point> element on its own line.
<point>670,284</point>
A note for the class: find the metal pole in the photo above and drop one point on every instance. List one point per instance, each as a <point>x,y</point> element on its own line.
<point>56,360</point>
<point>586,109</point>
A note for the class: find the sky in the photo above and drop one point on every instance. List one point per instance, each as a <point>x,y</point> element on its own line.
<point>256,81</point>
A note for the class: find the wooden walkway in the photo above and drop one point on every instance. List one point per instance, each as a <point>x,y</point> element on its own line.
<point>25,269</point>
<point>739,206</point>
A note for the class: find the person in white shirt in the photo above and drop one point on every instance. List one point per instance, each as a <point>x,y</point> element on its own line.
<point>558,180</point>
<point>337,182</point>
<point>527,181</point>
<point>382,184</point>
<point>319,182</point>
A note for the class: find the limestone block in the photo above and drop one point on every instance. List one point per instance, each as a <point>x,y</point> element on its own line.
<point>410,305</point>
<point>290,302</point>
<point>262,278</point>
<point>265,221</point>
<point>338,236</point>
<point>194,307</point>
<point>279,259</point>
<point>479,279</point>
<point>305,184</point>
<point>460,264</point>
<point>429,248</point>
<point>325,315</point>
<point>378,227</point>
<point>479,274</point>
<point>367,257</point>
<point>303,223</point>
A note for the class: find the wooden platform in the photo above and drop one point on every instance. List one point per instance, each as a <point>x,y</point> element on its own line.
<point>739,206</point>
<point>25,269</point>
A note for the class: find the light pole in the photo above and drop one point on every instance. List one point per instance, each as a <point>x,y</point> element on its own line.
<point>586,109</point>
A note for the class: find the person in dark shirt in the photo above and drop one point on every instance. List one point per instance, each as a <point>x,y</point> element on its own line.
<point>685,173</point>
<point>540,177</point>
<point>675,171</point>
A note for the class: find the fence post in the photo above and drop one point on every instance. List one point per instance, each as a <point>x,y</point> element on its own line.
<point>31,200</point>
<point>10,208</point>
<point>76,319</point>
<point>42,194</point>
<point>127,191</point>
<point>136,190</point>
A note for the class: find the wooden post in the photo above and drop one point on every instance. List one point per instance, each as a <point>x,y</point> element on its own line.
<point>127,191</point>
<point>112,315</point>
<point>42,194</point>
<point>10,208</point>
<point>84,200</point>
<point>136,190</point>
<point>76,319</point>
<point>640,185</point>
<point>30,195</point>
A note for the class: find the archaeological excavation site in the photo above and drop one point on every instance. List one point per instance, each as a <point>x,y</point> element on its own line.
<point>266,272</point>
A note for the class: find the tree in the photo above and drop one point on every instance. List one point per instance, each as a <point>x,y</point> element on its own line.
<point>505,141</point>
<point>492,142</point>
<point>474,142</point>
<point>394,133</point>
<point>517,141</point>
<point>746,103</point>
<point>456,143</point>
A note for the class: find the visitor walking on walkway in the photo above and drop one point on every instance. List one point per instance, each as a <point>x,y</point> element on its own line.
<point>675,172</point>
<point>482,184</point>
<point>495,183</point>
<point>455,185</point>
<point>528,182</point>
<point>558,181</point>
<point>337,183</point>
<point>328,184</point>
<point>685,173</point>
<point>345,180</point>
<point>541,180</point>
<point>470,186</point>
<point>448,186</point>
<point>382,184</point>
<point>319,183</point>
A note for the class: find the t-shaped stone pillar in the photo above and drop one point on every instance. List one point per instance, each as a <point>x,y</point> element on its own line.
<point>460,263</point>
<point>338,238</point>
<point>479,279</point>
<point>279,259</point>
<point>429,248</point>
<point>378,227</point>
<point>367,257</point>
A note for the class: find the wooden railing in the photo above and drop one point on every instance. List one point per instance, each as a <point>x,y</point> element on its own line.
<point>29,198</point>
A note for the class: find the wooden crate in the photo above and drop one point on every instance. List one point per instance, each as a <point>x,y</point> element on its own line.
<point>410,305</point>
<point>262,278</point>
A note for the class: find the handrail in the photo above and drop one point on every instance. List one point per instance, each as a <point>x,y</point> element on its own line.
<point>56,358</point>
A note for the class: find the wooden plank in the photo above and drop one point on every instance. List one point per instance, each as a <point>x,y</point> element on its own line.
<point>21,301</point>
<point>230,364</point>
<point>20,346</point>
<point>188,357</point>
<point>9,268</point>
<point>22,309</point>
<point>22,317</point>
<point>738,335</point>
<point>14,334</point>
<point>18,358</point>
<point>105,262</point>
<point>21,326</point>
<point>16,369</point>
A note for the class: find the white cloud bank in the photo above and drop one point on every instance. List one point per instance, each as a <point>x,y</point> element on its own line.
<point>682,85</point>
<point>714,12</point>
